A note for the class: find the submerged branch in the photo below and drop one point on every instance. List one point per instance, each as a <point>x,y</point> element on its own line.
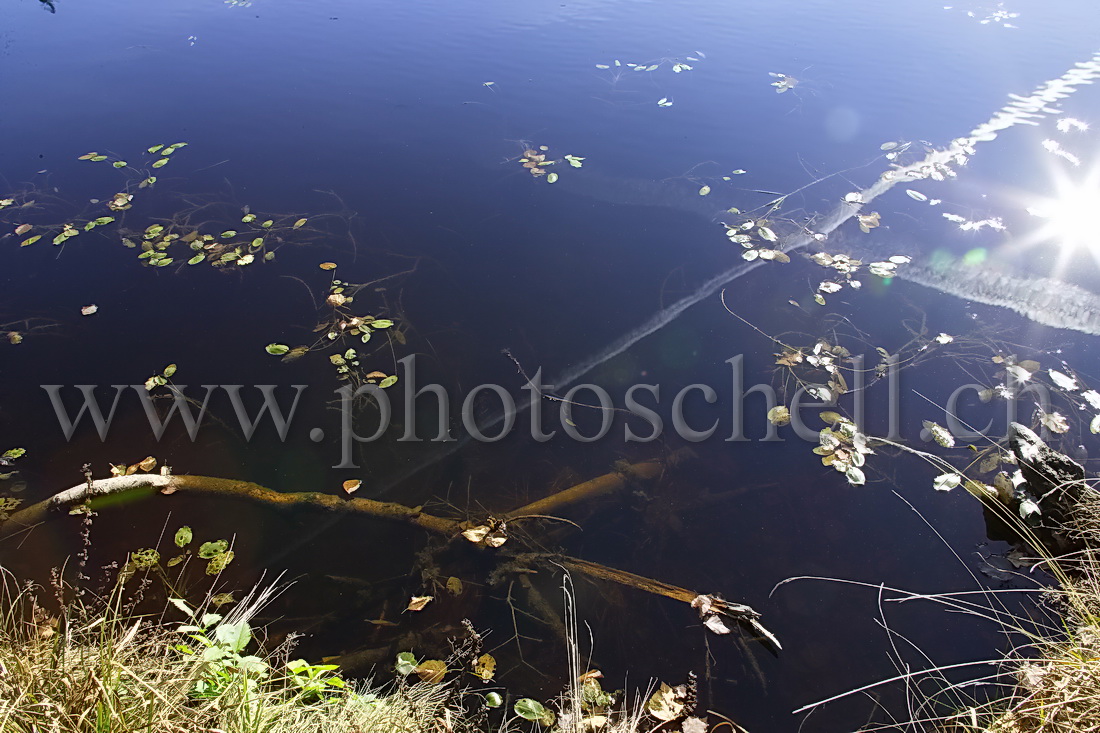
<point>707,605</point>
<point>228,488</point>
<point>62,502</point>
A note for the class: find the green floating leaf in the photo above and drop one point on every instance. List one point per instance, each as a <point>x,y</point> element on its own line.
<point>388,381</point>
<point>30,241</point>
<point>98,158</point>
<point>493,699</point>
<point>120,164</point>
<point>228,233</point>
<point>160,163</point>
<point>155,148</point>
<point>381,323</point>
<point>210,550</point>
<point>704,190</point>
<point>277,349</point>
<point>103,220</point>
<point>299,224</point>
<point>552,177</point>
<point>267,224</point>
<point>406,663</point>
<point>12,453</point>
<point>183,536</point>
<point>196,259</point>
<point>533,710</point>
<point>248,218</point>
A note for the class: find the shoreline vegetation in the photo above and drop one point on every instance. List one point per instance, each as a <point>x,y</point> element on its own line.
<point>72,660</point>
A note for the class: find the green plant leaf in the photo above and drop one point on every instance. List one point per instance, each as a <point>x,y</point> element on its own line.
<point>235,636</point>
<point>277,349</point>
<point>210,550</point>
<point>533,710</point>
<point>406,664</point>
<point>160,163</point>
<point>388,381</point>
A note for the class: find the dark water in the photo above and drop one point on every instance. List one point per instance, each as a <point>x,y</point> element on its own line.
<point>374,120</point>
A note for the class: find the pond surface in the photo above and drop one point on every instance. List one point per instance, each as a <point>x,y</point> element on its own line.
<point>399,131</point>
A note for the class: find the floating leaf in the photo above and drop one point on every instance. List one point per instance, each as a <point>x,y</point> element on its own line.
<point>277,349</point>
<point>493,700</point>
<point>160,163</point>
<point>779,416</point>
<point>1063,381</point>
<point>768,234</point>
<point>1094,426</point>
<point>327,265</point>
<point>87,156</point>
<point>30,240</point>
<point>704,190</point>
<point>120,164</point>
<point>89,310</point>
<point>183,536</point>
<point>210,550</point>
<point>552,177</point>
<point>1054,422</point>
<point>946,481</point>
<point>431,671</point>
<point>855,476</point>
<point>417,603</point>
<point>388,381</point>
<point>939,434</point>
<point>299,224</point>
<point>916,195</point>
<point>22,229</point>
<point>352,485</point>
<point>485,667</point>
<point>196,259</point>
<point>381,323</point>
<point>666,704</point>
<point>154,149</point>
<point>533,710</point>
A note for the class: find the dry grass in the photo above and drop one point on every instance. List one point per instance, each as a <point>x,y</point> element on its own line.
<point>97,670</point>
